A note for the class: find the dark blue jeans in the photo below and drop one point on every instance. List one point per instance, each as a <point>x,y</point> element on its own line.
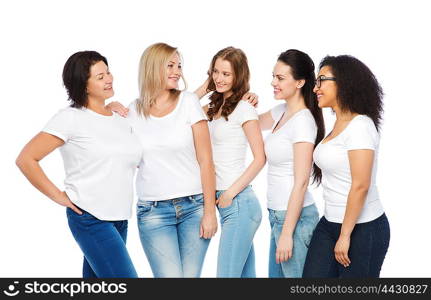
<point>369,243</point>
<point>103,244</point>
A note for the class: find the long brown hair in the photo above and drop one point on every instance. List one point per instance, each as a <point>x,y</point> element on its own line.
<point>240,85</point>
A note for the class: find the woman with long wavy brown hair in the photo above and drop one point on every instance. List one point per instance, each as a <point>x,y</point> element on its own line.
<point>233,124</point>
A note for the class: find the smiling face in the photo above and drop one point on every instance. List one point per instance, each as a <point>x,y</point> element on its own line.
<point>173,72</point>
<point>223,76</point>
<point>285,86</point>
<point>327,92</point>
<point>99,84</point>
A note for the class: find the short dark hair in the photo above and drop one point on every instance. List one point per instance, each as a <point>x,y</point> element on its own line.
<point>302,67</point>
<point>76,72</point>
<point>358,90</point>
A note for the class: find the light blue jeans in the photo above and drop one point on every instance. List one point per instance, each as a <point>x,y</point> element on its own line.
<point>239,223</point>
<point>169,233</point>
<point>301,240</point>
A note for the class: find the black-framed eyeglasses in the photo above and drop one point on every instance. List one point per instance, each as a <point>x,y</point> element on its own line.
<point>319,79</point>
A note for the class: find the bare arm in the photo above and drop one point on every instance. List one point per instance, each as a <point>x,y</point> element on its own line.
<point>254,137</point>
<point>302,163</point>
<point>361,166</point>
<point>28,162</point>
<point>202,143</point>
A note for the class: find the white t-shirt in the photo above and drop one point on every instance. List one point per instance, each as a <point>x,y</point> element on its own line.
<point>100,155</point>
<point>301,127</point>
<point>229,144</point>
<point>332,158</point>
<point>169,168</point>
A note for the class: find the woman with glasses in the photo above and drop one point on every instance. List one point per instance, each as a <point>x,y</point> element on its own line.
<point>296,127</point>
<point>352,238</point>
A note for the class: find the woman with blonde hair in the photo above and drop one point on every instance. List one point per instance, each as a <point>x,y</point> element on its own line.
<point>234,124</point>
<point>175,182</point>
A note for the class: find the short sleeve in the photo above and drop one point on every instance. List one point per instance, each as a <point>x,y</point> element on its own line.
<point>277,111</point>
<point>304,129</point>
<point>246,112</point>
<point>362,134</point>
<point>61,124</point>
<point>196,112</point>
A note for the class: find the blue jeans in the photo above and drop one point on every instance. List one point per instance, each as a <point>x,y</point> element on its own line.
<point>369,243</point>
<point>239,223</point>
<point>103,244</point>
<point>169,232</point>
<point>293,267</point>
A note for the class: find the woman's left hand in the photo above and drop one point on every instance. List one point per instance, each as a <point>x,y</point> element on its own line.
<point>341,251</point>
<point>224,200</point>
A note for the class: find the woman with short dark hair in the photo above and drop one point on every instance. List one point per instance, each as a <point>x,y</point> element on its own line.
<point>352,238</point>
<point>100,154</point>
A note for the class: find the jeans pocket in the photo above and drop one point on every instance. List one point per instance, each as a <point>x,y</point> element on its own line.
<point>226,207</point>
<point>84,216</point>
<point>224,211</point>
<point>254,210</point>
<point>280,216</point>
<point>198,198</point>
<point>307,226</point>
<point>143,208</point>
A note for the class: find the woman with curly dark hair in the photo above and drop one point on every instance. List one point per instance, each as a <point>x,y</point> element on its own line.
<point>352,238</point>
<point>233,124</point>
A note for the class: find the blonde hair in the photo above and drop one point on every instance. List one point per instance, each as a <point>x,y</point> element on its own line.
<point>152,75</point>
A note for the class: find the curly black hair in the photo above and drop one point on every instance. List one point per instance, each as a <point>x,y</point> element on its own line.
<point>358,90</point>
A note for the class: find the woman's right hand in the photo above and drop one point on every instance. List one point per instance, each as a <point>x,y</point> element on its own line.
<point>251,98</point>
<point>64,200</point>
<point>118,108</point>
<point>208,226</point>
<point>284,248</point>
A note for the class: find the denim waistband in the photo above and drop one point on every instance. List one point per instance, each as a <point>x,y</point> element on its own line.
<point>169,201</point>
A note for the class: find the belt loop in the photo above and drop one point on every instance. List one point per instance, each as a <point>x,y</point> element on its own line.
<point>155,203</point>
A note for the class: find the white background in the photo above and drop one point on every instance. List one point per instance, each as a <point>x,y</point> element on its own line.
<point>38,36</point>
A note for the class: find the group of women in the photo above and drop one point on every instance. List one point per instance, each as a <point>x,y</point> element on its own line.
<point>191,160</point>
